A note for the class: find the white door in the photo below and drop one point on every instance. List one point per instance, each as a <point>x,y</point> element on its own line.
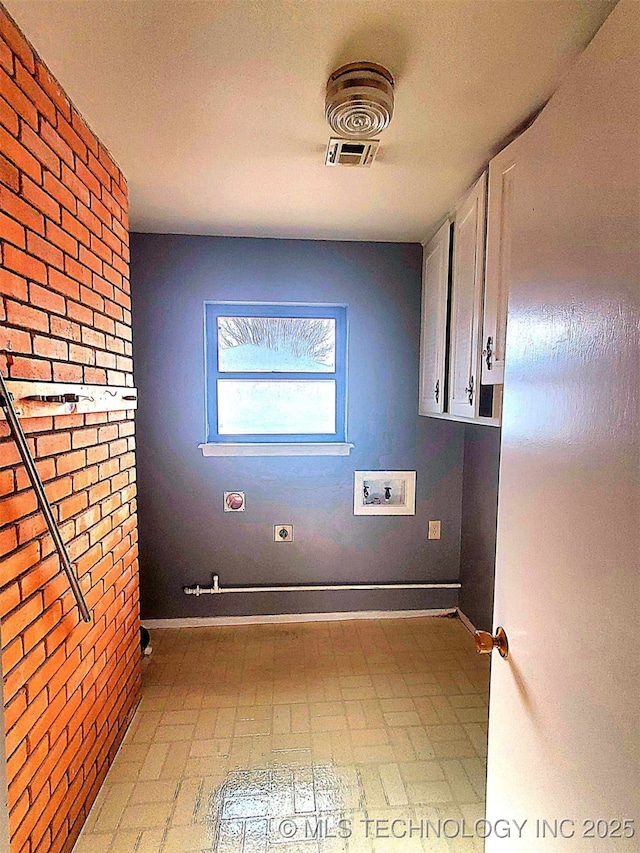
<point>433,322</point>
<point>564,740</point>
<point>466,302</point>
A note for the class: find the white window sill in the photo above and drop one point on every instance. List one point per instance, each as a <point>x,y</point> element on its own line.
<point>338,448</point>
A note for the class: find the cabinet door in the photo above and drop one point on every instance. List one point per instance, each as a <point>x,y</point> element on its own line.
<point>433,329</point>
<point>466,302</point>
<point>502,176</point>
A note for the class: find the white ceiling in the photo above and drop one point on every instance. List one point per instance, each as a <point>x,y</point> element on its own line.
<point>215,109</point>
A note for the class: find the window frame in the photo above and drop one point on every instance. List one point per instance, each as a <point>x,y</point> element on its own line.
<point>336,312</point>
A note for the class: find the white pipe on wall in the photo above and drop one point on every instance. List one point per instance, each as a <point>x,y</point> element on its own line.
<point>216,589</point>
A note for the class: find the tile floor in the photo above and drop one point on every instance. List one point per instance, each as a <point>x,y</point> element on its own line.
<point>333,737</point>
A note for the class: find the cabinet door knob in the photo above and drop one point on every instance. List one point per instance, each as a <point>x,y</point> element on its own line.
<point>469,391</point>
<point>488,353</point>
<point>436,391</point>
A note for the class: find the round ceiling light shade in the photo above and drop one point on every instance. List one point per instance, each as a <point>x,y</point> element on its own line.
<point>359,102</point>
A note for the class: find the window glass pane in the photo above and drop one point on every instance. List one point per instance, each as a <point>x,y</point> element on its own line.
<point>285,407</point>
<point>276,345</point>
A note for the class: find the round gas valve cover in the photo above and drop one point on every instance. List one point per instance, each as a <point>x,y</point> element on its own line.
<point>234,502</point>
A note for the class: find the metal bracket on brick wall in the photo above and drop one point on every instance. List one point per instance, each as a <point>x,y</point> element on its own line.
<point>42,399</point>
<point>6,403</point>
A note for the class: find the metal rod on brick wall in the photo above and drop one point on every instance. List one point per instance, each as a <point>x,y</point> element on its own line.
<point>6,402</point>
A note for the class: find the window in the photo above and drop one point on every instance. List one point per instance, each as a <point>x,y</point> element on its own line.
<point>276,374</point>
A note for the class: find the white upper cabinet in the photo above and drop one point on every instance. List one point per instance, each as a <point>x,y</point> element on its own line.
<point>462,359</point>
<point>433,332</point>
<point>502,177</point>
<point>466,302</point>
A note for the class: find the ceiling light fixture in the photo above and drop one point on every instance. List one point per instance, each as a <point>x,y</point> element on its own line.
<point>359,101</point>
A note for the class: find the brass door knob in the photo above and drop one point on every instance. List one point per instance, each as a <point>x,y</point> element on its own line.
<point>485,643</point>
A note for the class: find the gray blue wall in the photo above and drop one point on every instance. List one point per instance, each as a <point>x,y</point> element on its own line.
<point>479,519</point>
<point>184,534</point>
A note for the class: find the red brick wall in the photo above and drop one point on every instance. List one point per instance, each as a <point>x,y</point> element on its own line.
<point>69,688</point>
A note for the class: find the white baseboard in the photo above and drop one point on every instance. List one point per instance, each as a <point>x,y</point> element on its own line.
<point>468,624</point>
<point>213,621</point>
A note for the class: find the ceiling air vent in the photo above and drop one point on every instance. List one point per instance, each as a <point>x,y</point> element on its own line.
<point>351,152</point>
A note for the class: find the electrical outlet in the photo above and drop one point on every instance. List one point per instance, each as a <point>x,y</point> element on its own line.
<point>283,533</point>
<point>434,530</point>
